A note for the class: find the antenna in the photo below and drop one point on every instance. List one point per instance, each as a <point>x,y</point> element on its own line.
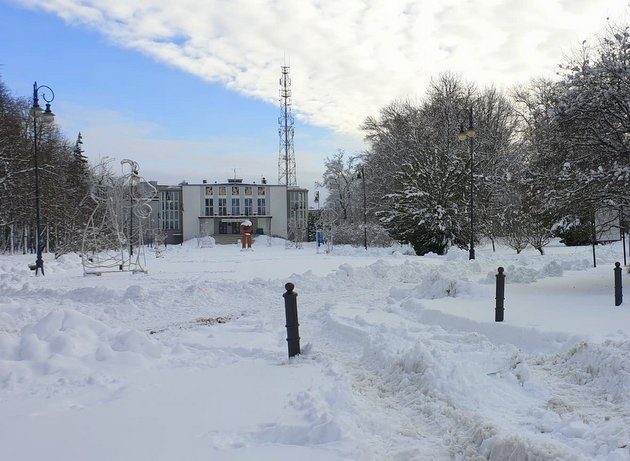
<point>286,155</point>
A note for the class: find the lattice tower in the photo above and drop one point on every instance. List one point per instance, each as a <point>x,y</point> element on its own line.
<point>286,155</point>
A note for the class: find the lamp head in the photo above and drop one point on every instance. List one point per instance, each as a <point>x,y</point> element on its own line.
<point>47,116</point>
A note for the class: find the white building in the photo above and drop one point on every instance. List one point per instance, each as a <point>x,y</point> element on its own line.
<point>188,210</point>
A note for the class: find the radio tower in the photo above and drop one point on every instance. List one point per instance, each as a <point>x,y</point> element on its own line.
<point>286,156</point>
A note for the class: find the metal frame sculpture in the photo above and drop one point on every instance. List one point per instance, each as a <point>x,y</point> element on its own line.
<point>117,223</point>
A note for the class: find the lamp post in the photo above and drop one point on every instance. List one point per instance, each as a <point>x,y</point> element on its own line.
<point>361,175</point>
<point>46,116</point>
<point>462,136</point>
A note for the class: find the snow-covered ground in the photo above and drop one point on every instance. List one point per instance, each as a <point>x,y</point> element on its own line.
<point>402,359</point>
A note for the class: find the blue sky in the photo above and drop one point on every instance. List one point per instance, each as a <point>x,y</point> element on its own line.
<point>189,88</point>
<point>134,96</point>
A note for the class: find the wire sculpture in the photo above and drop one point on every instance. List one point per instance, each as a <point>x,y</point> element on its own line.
<point>118,222</point>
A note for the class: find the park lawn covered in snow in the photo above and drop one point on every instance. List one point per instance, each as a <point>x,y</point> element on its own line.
<point>402,359</point>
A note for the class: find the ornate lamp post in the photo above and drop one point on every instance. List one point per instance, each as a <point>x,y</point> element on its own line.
<point>462,136</point>
<point>46,116</point>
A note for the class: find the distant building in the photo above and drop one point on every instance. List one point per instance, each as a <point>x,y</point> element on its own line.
<point>188,210</point>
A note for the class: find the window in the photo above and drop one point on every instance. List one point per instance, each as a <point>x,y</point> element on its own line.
<point>169,210</point>
<point>298,207</point>
<point>222,207</point>
<point>209,208</point>
<point>235,190</point>
<point>236,206</point>
<point>261,206</point>
<point>222,190</point>
<point>248,206</point>
<point>248,190</point>
<point>261,190</point>
<point>208,190</point>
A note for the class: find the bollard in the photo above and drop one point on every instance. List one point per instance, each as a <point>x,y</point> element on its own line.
<point>618,290</point>
<point>498,311</point>
<point>290,308</point>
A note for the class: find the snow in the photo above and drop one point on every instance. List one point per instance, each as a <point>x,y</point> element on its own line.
<point>401,357</point>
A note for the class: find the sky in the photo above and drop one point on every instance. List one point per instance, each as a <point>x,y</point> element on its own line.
<point>189,88</point>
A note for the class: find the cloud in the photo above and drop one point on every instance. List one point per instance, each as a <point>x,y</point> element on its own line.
<point>348,58</point>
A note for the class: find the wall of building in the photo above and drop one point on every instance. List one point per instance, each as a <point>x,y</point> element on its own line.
<point>193,220</point>
<point>191,198</point>
<point>278,210</point>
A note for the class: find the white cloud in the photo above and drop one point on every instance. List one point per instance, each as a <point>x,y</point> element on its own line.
<point>348,57</point>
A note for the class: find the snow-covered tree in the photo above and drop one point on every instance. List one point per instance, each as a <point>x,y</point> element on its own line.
<point>423,183</point>
<point>577,129</point>
<point>64,181</point>
<point>340,180</point>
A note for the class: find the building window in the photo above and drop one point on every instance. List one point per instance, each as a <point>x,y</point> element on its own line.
<point>169,210</point>
<point>222,207</point>
<point>261,190</point>
<point>209,208</point>
<point>236,206</point>
<point>208,190</point>
<point>222,190</point>
<point>298,207</point>
<point>248,206</point>
<point>235,190</point>
<point>261,206</point>
<point>248,190</point>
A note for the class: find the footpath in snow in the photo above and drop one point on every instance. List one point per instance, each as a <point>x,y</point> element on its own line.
<point>401,357</point>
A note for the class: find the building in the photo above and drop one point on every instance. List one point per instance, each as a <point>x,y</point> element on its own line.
<point>188,210</point>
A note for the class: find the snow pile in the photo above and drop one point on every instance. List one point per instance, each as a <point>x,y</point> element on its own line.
<point>604,367</point>
<point>396,250</point>
<point>66,342</point>
<point>523,274</point>
<point>433,285</point>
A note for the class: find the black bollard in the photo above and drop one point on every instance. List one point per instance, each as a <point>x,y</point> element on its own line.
<point>498,311</point>
<point>290,308</point>
<point>618,290</point>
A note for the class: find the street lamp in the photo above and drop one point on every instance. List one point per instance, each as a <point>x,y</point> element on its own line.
<point>462,136</point>
<point>361,175</point>
<point>46,116</point>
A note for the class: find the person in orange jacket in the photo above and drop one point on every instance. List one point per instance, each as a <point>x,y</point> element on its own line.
<point>247,229</point>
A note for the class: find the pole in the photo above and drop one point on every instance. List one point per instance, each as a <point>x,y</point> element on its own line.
<point>623,235</point>
<point>364,210</point>
<point>618,288</point>
<point>500,296</point>
<point>290,309</point>
<point>623,242</point>
<point>39,262</point>
<point>471,254</point>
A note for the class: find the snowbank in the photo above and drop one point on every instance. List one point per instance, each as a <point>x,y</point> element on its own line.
<point>66,343</point>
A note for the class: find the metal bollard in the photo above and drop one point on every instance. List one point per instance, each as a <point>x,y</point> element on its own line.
<point>500,297</point>
<point>290,308</point>
<point>618,290</point>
